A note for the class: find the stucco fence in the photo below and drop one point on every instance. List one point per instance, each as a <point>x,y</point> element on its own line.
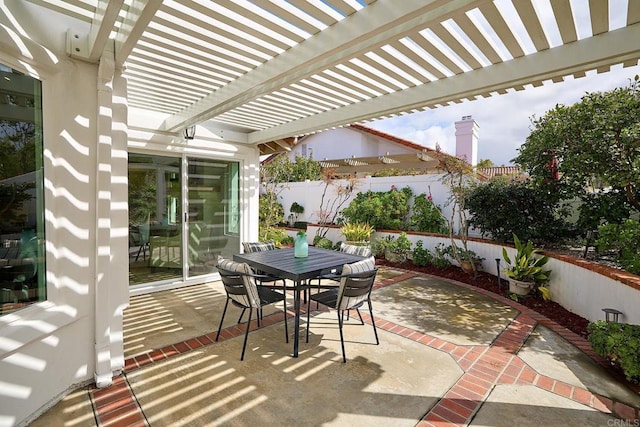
<point>309,193</point>
<point>580,286</point>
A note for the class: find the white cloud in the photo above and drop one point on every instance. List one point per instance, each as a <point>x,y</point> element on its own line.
<point>503,120</point>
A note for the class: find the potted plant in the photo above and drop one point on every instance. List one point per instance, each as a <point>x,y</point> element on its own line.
<point>357,233</point>
<point>526,271</point>
<point>398,249</point>
<point>296,209</point>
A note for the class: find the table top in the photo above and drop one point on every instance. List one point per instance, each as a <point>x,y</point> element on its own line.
<point>282,263</point>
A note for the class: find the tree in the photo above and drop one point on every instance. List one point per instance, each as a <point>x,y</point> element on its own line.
<point>460,177</point>
<point>274,175</point>
<point>592,144</point>
<point>503,207</point>
<point>305,168</point>
<point>330,207</point>
<point>484,163</point>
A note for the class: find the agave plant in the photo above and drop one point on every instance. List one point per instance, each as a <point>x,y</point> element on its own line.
<point>527,266</point>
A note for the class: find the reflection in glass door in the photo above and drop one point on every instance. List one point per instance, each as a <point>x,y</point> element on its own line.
<point>213,212</point>
<point>212,201</point>
<point>155,219</point>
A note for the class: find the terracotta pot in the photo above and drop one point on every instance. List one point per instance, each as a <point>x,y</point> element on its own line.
<point>520,288</point>
<point>466,266</point>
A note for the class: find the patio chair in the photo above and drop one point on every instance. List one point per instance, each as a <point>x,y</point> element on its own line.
<point>356,284</point>
<point>240,285</point>
<point>333,277</point>
<point>142,240</point>
<point>356,250</point>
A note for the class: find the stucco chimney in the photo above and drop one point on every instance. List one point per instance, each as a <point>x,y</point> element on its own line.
<point>467,140</point>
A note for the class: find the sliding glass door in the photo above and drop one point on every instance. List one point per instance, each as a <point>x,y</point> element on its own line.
<point>155,219</point>
<point>213,200</point>
<point>166,245</point>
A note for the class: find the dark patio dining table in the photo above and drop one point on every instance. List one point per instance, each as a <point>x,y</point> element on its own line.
<point>283,264</point>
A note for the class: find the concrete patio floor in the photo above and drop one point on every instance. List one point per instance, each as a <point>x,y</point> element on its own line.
<point>448,354</point>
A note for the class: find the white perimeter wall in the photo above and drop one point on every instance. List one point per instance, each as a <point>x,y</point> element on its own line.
<point>309,193</point>
<point>579,290</point>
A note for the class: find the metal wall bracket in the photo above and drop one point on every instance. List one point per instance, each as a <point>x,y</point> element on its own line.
<point>77,45</point>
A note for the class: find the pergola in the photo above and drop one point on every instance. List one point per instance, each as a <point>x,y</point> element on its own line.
<point>270,70</point>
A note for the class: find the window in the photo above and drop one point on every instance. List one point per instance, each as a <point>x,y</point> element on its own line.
<point>22,268</point>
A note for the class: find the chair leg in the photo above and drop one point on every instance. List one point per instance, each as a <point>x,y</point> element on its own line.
<point>226,303</point>
<point>340,320</point>
<point>360,316</point>
<point>241,314</point>
<point>286,328</point>
<point>246,335</point>
<point>373,322</point>
<point>308,315</point>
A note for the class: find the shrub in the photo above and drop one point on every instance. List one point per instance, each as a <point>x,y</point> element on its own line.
<point>625,239</point>
<point>379,246</point>
<point>501,208</point>
<point>382,210</point>
<point>618,342</point>
<point>322,242</point>
<point>440,257</point>
<point>401,245</point>
<point>421,256</point>
<point>270,210</point>
<point>288,240</point>
<point>272,234</point>
<point>427,216</point>
<point>398,248</point>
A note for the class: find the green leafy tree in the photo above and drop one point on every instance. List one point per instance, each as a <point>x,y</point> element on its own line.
<point>625,240</point>
<point>611,207</point>
<point>305,168</point>
<point>593,143</point>
<point>17,148</point>
<point>484,163</point>
<point>273,175</point>
<point>427,216</point>
<point>383,210</point>
<point>502,207</point>
<point>17,157</point>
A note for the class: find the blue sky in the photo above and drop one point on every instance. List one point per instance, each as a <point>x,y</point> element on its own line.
<point>504,120</point>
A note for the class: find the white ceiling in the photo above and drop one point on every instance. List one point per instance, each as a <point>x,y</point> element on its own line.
<point>280,68</point>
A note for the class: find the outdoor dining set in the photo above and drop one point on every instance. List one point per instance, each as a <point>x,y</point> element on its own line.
<point>340,279</point>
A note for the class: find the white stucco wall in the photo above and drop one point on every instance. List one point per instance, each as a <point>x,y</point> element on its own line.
<point>309,194</point>
<point>50,348</point>
<point>343,143</point>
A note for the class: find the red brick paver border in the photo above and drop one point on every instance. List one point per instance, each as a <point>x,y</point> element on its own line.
<point>483,367</point>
